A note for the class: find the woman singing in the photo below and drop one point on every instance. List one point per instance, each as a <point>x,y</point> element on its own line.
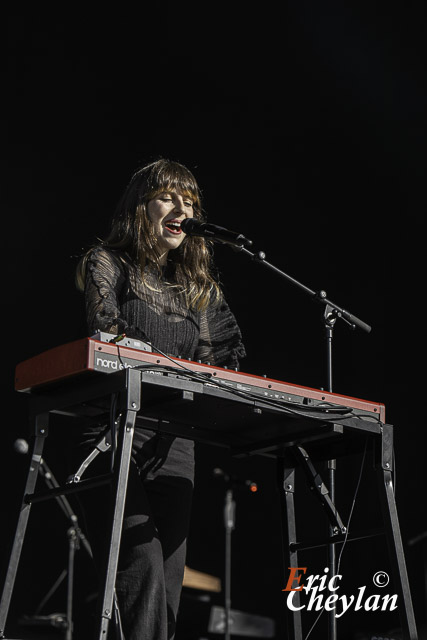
<point>150,281</point>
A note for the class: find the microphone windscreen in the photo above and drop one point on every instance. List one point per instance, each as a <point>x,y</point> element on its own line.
<point>190,225</point>
<point>21,446</point>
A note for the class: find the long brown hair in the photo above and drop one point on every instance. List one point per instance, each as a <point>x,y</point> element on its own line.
<point>132,232</point>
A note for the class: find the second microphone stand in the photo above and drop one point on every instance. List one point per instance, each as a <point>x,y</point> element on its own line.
<point>332,312</point>
<point>232,484</point>
<point>76,539</point>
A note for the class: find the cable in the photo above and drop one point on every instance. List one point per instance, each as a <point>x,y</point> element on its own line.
<point>335,412</point>
<point>331,413</point>
<point>338,412</point>
<point>347,529</point>
<point>353,503</point>
<point>113,428</point>
<point>328,413</point>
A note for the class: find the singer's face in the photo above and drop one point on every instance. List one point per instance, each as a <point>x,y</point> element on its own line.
<point>166,211</point>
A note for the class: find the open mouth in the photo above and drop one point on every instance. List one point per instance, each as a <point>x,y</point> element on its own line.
<point>174,226</point>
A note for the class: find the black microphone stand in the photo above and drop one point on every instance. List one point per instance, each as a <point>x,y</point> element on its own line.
<point>229,525</point>
<point>75,539</point>
<point>332,313</point>
<point>330,318</point>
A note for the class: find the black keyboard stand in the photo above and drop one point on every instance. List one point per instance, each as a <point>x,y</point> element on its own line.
<point>383,451</point>
<point>179,406</point>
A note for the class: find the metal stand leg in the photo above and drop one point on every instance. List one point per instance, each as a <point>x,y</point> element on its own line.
<point>384,469</point>
<point>73,545</point>
<point>40,432</point>
<point>286,482</point>
<point>118,503</point>
<point>130,404</point>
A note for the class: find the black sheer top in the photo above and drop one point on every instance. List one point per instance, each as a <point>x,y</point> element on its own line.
<point>119,301</point>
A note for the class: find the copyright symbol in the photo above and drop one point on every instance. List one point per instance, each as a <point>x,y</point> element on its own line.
<point>381,579</point>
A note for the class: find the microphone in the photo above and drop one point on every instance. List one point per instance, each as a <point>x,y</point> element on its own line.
<point>21,446</point>
<point>193,227</point>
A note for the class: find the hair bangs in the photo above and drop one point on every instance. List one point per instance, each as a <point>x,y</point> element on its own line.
<point>171,176</point>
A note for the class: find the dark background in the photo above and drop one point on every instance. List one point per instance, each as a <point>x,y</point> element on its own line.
<point>304,124</point>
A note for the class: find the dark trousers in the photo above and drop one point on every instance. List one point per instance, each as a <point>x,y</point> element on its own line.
<point>155,527</point>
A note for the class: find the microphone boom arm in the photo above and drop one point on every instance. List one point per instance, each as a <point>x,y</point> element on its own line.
<point>213,232</point>
<point>318,296</point>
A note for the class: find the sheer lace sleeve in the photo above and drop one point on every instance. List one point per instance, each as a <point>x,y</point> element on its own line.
<point>105,279</point>
<point>116,303</point>
<point>220,337</point>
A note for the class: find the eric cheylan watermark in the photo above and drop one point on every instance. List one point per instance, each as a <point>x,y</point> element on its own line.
<point>323,593</point>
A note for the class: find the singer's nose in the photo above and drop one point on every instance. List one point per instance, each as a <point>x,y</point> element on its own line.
<point>179,206</point>
<point>182,206</point>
